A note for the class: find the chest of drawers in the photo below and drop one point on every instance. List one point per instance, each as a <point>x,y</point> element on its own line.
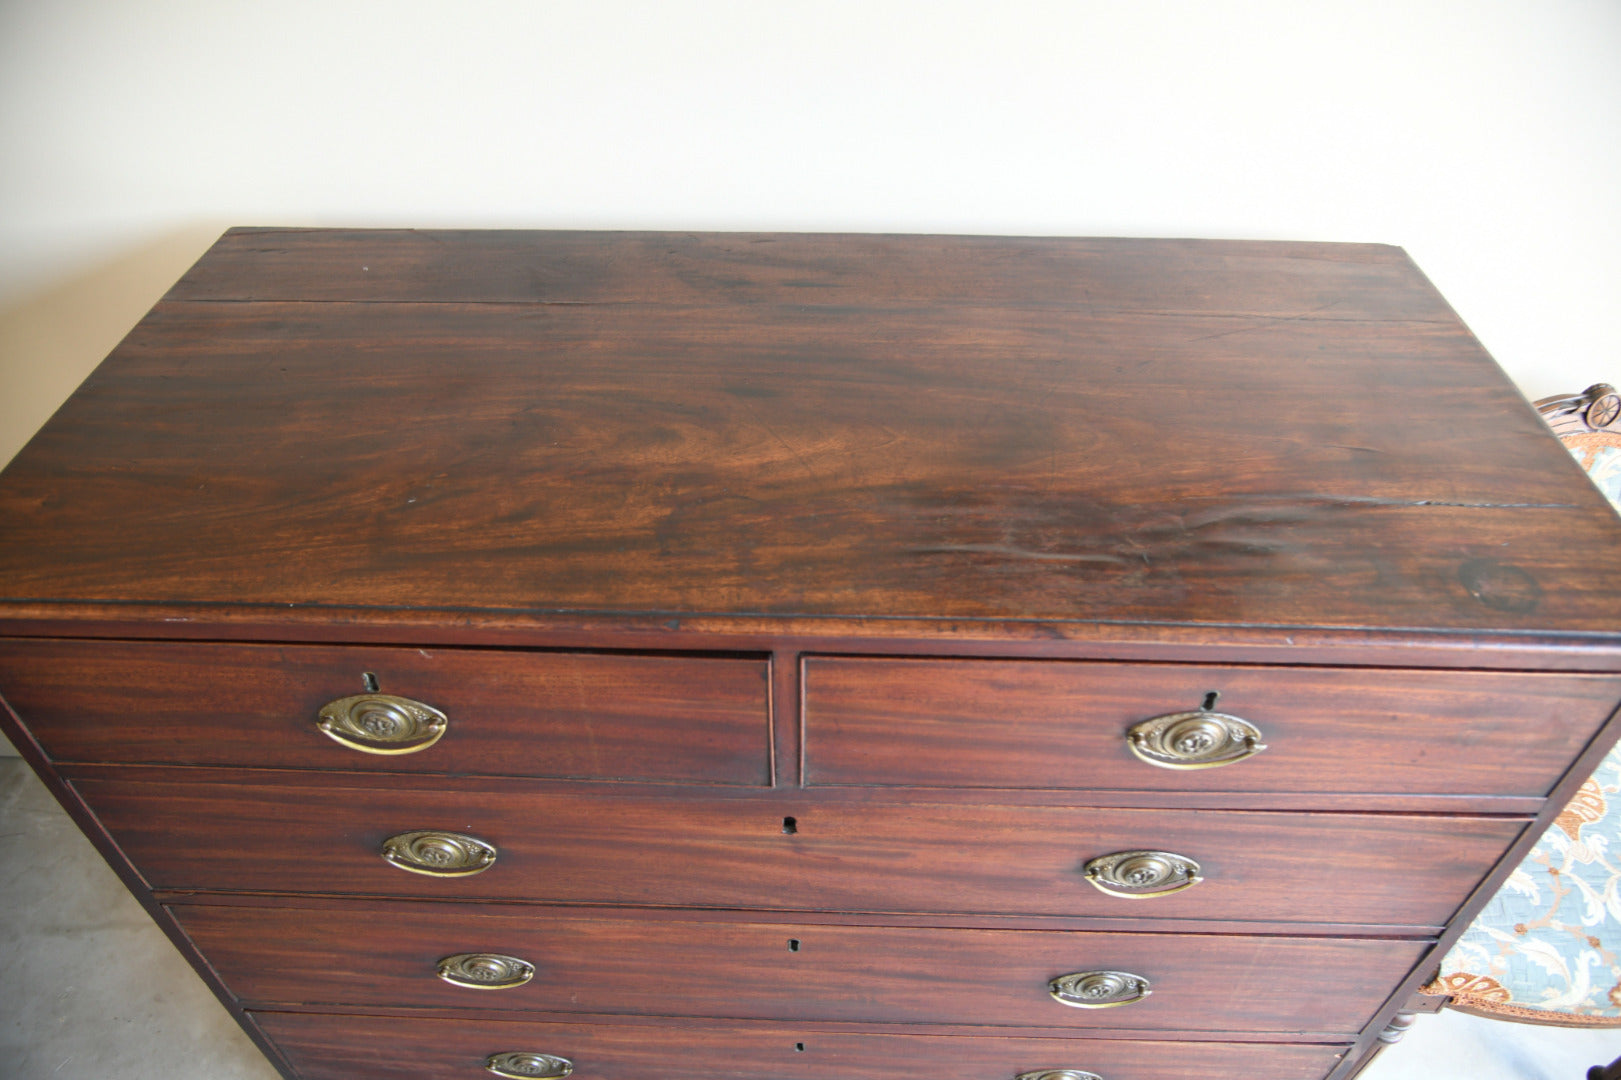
<point>806,657</point>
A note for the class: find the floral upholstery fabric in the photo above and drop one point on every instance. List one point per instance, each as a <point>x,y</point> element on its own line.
<point>1600,454</point>
<point>1549,942</point>
<point>1547,948</point>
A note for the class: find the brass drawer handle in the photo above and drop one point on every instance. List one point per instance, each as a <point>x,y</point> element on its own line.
<point>1058,1074</point>
<point>1098,989</point>
<point>439,854</point>
<point>526,1066</point>
<point>1142,875</point>
<point>485,971</point>
<point>382,723</point>
<point>1194,740</point>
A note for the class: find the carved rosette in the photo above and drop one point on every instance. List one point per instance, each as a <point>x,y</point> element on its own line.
<point>1098,989</point>
<point>1594,409</point>
<point>439,854</point>
<point>485,971</point>
<point>382,723</point>
<point>527,1066</point>
<point>1058,1074</point>
<point>1194,740</point>
<point>1142,875</point>
<point>1604,411</point>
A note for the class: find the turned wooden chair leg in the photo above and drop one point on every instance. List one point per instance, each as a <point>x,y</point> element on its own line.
<point>1390,1036</point>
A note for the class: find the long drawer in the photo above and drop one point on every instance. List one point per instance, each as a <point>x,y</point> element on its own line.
<point>603,716</point>
<point>270,956</point>
<point>340,1047</point>
<point>1387,869</point>
<point>1062,724</point>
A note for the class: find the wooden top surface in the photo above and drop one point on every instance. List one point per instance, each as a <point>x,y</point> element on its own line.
<point>951,428</point>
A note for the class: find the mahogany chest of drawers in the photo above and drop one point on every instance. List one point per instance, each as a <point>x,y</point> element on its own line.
<point>806,657</point>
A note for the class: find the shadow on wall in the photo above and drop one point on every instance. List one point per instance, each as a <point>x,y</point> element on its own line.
<point>50,341</point>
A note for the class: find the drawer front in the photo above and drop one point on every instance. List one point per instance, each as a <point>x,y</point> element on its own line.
<point>580,715</point>
<point>336,1047</point>
<point>1385,869</point>
<point>789,971</point>
<point>1058,724</point>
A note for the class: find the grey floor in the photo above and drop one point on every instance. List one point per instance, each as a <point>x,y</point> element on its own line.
<point>90,988</point>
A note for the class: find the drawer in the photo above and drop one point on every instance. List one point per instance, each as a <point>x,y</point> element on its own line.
<point>338,1047</point>
<point>575,715</point>
<point>1389,869</point>
<point>1060,724</point>
<point>794,971</point>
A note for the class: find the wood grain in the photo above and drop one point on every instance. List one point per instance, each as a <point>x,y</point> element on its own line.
<point>338,1047</point>
<point>1021,724</point>
<point>621,471</point>
<point>1389,869</point>
<point>1309,456</point>
<point>580,715</point>
<point>787,971</point>
<point>1240,280</point>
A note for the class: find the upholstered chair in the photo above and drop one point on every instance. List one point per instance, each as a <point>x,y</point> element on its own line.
<point>1547,948</point>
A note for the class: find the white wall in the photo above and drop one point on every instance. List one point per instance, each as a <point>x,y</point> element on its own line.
<point>1481,136</point>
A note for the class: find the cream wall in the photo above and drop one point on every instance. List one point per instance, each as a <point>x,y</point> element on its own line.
<point>1480,136</point>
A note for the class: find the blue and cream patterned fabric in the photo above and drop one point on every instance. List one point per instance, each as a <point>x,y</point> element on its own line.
<point>1547,948</point>
<point>1600,454</point>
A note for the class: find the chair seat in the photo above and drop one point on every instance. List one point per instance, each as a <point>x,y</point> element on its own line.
<point>1599,453</point>
<point>1547,948</point>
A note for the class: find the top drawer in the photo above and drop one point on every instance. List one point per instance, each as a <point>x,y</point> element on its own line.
<point>679,719</point>
<point>1064,724</point>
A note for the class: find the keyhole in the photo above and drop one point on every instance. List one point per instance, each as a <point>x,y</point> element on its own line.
<point>1210,701</point>
<point>790,825</point>
<point>793,944</point>
<point>370,681</point>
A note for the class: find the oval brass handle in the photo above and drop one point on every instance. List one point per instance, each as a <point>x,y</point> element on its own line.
<point>1142,875</point>
<point>485,971</point>
<point>382,723</point>
<point>523,1065</point>
<point>1194,740</point>
<point>1058,1074</point>
<point>1098,989</point>
<point>439,854</point>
